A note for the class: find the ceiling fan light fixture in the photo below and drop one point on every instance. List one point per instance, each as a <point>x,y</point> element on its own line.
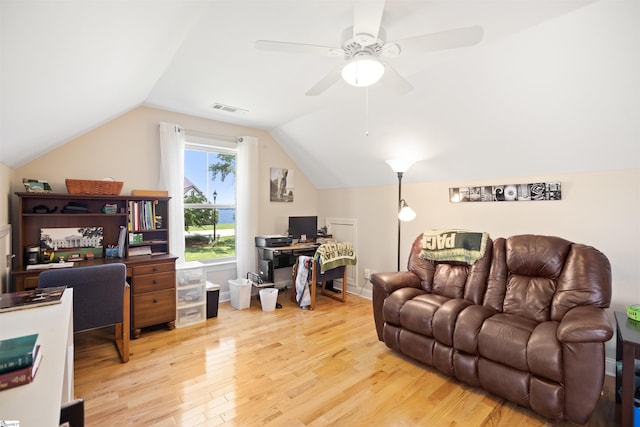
<point>362,72</point>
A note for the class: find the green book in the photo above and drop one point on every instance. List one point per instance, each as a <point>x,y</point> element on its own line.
<point>16,353</point>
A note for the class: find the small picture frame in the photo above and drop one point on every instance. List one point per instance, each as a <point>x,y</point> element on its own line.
<point>36,185</point>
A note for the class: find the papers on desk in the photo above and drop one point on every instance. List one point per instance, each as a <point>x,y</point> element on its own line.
<point>50,265</point>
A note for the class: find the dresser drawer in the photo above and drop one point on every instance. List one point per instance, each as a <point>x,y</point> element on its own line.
<point>153,282</point>
<point>153,308</point>
<point>153,268</point>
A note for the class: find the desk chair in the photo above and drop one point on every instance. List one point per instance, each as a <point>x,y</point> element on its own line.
<point>100,298</point>
<point>322,278</point>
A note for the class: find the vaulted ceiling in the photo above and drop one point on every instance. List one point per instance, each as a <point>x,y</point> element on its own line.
<point>552,87</point>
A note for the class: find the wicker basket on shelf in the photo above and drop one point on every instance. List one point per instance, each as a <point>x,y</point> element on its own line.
<point>94,187</point>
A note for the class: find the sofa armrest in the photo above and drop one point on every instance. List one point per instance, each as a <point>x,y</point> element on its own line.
<point>383,285</point>
<point>585,324</point>
<point>391,281</point>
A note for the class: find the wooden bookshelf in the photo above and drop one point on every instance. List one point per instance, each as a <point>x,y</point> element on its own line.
<point>150,305</point>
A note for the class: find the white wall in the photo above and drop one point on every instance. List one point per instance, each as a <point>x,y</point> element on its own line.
<point>126,148</point>
<point>600,209</point>
<point>6,174</point>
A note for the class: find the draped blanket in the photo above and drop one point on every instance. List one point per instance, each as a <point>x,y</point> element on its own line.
<point>332,255</point>
<point>301,273</point>
<point>453,245</point>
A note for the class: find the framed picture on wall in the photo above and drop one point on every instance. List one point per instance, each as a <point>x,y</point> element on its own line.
<point>507,192</point>
<point>59,244</point>
<point>281,185</point>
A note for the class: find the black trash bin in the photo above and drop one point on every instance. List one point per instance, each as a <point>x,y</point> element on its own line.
<point>213,295</point>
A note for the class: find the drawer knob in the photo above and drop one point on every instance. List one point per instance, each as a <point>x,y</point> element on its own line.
<point>155,282</point>
<point>155,269</point>
<point>155,300</point>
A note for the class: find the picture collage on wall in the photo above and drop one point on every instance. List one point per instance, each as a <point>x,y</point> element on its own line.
<point>507,193</point>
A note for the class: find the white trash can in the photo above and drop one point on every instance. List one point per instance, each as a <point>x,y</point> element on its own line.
<point>240,292</point>
<point>268,298</point>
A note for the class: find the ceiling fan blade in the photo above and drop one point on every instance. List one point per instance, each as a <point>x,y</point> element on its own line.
<point>326,82</point>
<point>395,81</point>
<point>367,17</point>
<point>448,39</point>
<point>298,48</point>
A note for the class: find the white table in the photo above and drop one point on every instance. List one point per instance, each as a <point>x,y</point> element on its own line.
<point>38,404</point>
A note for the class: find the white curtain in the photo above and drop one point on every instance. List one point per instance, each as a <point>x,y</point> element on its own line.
<point>247,205</point>
<point>172,180</point>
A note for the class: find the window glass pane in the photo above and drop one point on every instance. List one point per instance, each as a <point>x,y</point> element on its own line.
<point>222,178</point>
<point>209,213</point>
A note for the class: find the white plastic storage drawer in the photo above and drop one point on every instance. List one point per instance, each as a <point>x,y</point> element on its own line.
<point>191,295</point>
<point>190,315</point>
<point>190,273</point>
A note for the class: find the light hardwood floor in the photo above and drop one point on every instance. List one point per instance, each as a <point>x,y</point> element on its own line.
<point>289,367</point>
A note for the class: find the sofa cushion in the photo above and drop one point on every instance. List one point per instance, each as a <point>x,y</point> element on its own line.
<point>449,280</point>
<point>534,264</point>
<point>394,302</point>
<point>417,314</point>
<point>536,256</point>
<point>446,319</point>
<point>470,320</point>
<point>529,297</point>
<point>503,338</point>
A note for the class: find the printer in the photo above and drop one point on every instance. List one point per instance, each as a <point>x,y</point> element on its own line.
<point>273,241</point>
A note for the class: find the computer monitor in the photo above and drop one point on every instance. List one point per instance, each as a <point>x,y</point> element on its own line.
<point>303,227</point>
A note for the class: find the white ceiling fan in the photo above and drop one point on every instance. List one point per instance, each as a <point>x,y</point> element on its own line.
<point>365,49</point>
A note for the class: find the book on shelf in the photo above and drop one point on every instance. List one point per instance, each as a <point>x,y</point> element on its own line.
<point>31,298</point>
<point>121,241</point>
<point>142,215</point>
<point>21,376</point>
<point>17,352</point>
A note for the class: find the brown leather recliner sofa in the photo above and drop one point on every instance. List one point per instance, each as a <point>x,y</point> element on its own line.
<point>526,322</point>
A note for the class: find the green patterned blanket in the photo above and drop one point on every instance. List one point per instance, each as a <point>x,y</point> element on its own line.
<point>332,255</point>
<point>453,245</point>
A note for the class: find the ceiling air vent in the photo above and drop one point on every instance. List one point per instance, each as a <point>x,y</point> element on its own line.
<point>227,108</point>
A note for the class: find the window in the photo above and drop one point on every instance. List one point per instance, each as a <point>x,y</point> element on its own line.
<point>210,201</point>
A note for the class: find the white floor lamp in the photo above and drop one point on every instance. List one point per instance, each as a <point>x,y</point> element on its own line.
<point>405,213</point>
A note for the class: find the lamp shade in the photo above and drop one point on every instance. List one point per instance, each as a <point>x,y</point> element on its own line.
<point>406,213</point>
<point>362,72</point>
<point>400,165</point>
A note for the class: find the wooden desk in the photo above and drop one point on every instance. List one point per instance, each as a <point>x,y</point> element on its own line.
<point>278,257</point>
<point>153,287</point>
<point>627,350</point>
<point>38,404</point>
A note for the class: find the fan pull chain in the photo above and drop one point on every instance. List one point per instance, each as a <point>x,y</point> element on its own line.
<point>366,110</point>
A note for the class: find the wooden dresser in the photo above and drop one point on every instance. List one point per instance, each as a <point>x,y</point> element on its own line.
<point>153,294</point>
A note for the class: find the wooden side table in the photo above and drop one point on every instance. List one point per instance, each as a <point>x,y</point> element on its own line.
<point>627,350</point>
